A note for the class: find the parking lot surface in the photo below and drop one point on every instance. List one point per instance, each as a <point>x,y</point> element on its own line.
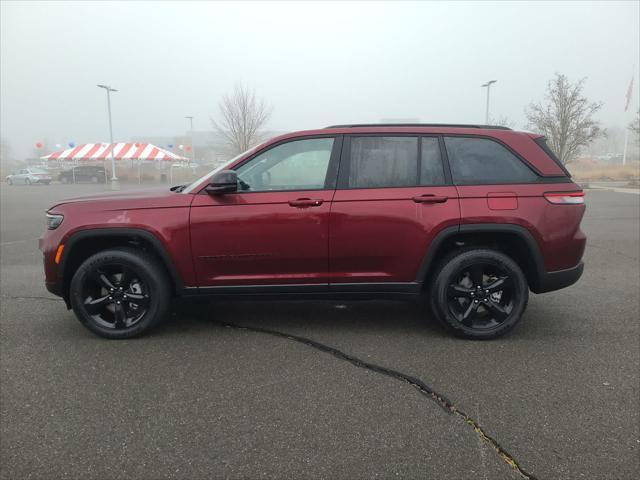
<point>196,399</point>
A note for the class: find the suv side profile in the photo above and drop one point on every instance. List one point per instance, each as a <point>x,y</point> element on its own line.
<point>467,218</point>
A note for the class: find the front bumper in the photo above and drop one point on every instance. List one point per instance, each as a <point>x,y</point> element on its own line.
<point>551,281</point>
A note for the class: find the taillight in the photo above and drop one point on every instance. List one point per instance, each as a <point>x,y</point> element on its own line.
<point>565,198</point>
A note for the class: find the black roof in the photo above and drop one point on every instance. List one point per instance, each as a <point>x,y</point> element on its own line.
<point>450,125</point>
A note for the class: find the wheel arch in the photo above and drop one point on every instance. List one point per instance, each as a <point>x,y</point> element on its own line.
<point>84,243</point>
<point>513,240</point>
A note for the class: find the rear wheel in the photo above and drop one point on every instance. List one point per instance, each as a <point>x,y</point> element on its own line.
<point>479,293</point>
<point>120,293</point>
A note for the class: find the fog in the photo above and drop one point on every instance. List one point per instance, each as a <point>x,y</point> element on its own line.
<point>315,63</point>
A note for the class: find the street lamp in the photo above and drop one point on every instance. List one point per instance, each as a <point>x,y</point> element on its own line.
<point>488,85</point>
<point>114,179</point>
<point>193,150</point>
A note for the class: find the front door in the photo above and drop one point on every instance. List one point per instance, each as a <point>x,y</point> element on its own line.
<point>274,229</point>
<point>394,195</point>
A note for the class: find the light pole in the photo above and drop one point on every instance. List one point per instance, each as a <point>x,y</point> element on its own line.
<point>114,180</point>
<point>488,85</point>
<point>193,150</point>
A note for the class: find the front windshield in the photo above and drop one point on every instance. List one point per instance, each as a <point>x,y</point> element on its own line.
<point>37,170</point>
<point>194,185</point>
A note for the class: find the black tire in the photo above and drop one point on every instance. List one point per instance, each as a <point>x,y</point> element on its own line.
<point>9,181</point>
<point>132,300</point>
<point>478,313</point>
<point>27,182</point>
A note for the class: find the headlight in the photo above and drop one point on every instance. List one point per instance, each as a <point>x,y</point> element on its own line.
<point>54,221</point>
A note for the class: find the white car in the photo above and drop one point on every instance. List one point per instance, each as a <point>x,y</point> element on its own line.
<point>29,176</point>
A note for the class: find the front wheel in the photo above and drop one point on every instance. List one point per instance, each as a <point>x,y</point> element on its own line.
<point>479,293</point>
<point>120,293</point>
<point>9,182</point>
<point>27,182</point>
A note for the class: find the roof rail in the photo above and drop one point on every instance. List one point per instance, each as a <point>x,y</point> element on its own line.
<point>451,125</point>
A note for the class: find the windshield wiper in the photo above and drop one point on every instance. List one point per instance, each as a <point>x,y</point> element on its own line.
<point>178,188</point>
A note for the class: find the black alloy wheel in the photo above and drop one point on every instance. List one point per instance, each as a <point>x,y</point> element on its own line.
<point>115,296</point>
<point>120,293</point>
<point>479,293</point>
<point>480,296</point>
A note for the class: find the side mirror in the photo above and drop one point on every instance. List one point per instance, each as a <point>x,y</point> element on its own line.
<point>223,182</point>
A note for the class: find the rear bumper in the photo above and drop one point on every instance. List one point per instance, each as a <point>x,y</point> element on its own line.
<point>551,281</point>
<point>53,287</point>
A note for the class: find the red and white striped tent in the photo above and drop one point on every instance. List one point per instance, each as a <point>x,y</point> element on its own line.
<point>120,151</point>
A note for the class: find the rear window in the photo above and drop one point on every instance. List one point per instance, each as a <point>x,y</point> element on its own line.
<point>431,168</point>
<point>383,162</point>
<point>484,161</point>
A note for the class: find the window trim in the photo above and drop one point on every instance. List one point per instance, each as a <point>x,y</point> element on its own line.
<point>539,177</point>
<point>544,146</point>
<point>345,161</point>
<point>332,169</point>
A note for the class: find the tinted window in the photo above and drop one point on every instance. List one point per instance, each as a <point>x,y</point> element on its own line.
<point>383,162</point>
<point>483,161</point>
<point>297,165</point>
<point>431,169</point>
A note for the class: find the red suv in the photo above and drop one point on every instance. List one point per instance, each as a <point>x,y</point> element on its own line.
<point>470,218</point>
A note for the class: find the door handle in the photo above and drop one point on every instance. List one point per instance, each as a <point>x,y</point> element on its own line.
<point>428,198</point>
<point>306,202</point>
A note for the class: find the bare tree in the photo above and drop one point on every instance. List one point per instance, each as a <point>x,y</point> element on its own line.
<point>565,118</point>
<point>243,116</point>
<point>502,121</point>
<point>634,126</point>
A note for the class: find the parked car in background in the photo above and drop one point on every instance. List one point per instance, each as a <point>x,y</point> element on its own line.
<point>29,176</point>
<point>83,173</point>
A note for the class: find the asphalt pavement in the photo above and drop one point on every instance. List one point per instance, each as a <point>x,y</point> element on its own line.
<point>559,396</point>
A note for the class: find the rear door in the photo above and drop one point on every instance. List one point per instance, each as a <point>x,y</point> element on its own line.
<point>394,195</point>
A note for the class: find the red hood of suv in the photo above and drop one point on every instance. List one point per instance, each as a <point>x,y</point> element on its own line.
<point>158,197</point>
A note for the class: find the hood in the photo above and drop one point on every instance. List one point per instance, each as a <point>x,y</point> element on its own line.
<point>159,197</point>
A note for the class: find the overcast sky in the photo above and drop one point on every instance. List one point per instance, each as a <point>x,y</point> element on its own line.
<point>316,63</point>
